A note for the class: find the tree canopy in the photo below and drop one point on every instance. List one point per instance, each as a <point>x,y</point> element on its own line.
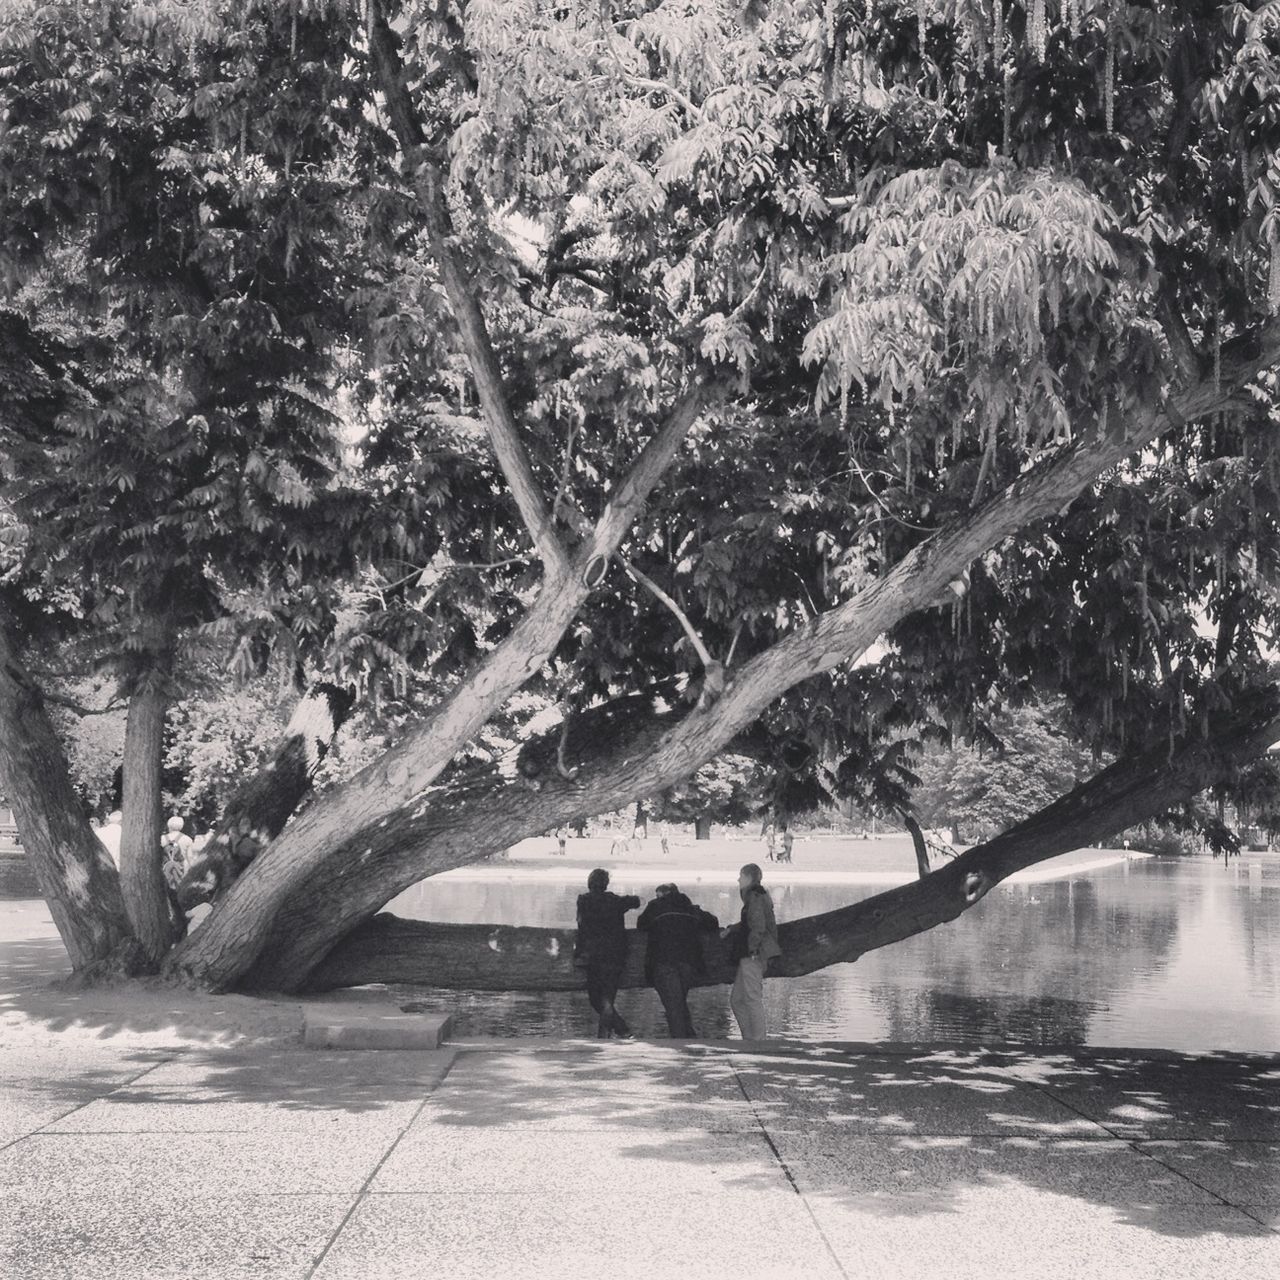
<point>669,351</point>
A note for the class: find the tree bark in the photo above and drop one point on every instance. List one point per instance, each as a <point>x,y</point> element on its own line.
<point>146,895</point>
<point>702,827</point>
<point>506,958</point>
<point>74,871</point>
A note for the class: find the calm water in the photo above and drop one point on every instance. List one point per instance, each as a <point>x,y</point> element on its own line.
<point>1181,954</point>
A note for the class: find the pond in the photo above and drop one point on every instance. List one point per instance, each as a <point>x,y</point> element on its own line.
<point>1172,953</point>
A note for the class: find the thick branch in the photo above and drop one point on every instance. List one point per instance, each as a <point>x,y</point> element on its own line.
<point>372,864</point>
<point>76,877</point>
<point>504,958</point>
<point>427,179</point>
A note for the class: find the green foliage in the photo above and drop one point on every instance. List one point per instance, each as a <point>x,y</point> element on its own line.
<point>917,248</point>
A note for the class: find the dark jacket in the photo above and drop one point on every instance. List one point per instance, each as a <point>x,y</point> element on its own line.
<point>757,931</point>
<point>675,928</point>
<point>602,927</point>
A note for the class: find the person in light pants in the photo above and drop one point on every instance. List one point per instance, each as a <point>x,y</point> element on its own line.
<point>755,943</point>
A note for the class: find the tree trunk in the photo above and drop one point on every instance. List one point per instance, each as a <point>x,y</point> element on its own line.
<point>918,840</point>
<point>257,812</point>
<point>146,895</point>
<point>73,869</point>
<point>507,958</point>
<point>702,826</point>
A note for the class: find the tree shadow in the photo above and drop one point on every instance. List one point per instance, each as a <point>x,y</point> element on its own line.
<point>1167,1144</point>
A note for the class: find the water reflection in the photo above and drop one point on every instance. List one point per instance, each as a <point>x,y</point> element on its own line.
<point>1181,954</point>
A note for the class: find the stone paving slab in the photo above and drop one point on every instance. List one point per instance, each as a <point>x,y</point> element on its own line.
<point>176,1111</point>
<point>660,1090</point>
<point>725,1234</point>
<point>89,1065</point>
<point>1107,1170</point>
<point>1178,1109</point>
<point>649,1160</point>
<point>209,1166</point>
<point>920,1107</point>
<point>23,1110</point>
<point>1239,1172</point>
<point>439,1158</point>
<point>125,1236</point>
<point>1030,1234</point>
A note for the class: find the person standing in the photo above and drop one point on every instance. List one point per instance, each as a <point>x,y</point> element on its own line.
<point>175,852</point>
<point>110,835</point>
<point>601,948</point>
<point>673,954</point>
<point>755,943</point>
<point>788,843</point>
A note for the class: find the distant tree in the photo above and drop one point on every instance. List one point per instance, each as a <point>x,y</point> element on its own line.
<point>727,790</point>
<point>1027,759</point>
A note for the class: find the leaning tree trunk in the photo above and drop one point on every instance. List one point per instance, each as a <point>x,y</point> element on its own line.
<point>75,874</point>
<point>146,896</point>
<point>503,958</point>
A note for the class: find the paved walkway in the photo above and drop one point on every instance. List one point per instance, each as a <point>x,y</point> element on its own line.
<point>571,1159</point>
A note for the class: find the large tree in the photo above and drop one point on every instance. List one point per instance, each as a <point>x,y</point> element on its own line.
<point>781,329</point>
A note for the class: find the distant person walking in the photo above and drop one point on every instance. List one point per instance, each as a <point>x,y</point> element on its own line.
<point>770,842</point>
<point>601,948</point>
<point>788,843</point>
<point>755,943</point>
<point>673,955</point>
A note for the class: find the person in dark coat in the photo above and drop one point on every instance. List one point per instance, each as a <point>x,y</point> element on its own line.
<point>601,948</point>
<point>673,956</point>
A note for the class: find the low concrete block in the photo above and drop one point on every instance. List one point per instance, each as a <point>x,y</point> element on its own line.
<point>326,1027</point>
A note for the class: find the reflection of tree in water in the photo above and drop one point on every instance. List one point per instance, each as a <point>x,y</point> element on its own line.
<point>1031,964</point>
<point>1255,906</point>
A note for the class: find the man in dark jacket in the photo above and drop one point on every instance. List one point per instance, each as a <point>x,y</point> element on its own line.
<point>673,957</point>
<point>601,948</point>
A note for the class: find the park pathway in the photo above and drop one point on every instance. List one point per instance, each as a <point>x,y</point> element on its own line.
<point>563,1159</point>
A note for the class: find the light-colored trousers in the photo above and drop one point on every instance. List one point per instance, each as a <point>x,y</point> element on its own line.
<point>747,998</point>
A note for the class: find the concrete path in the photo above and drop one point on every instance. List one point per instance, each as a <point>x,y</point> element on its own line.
<point>571,1159</point>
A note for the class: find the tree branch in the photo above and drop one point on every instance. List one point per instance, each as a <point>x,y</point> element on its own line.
<point>504,433</point>
<point>683,618</point>
<point>61,700</point>
<point>371,865</point>
<point>628,499</point>
<point>505,958</point>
